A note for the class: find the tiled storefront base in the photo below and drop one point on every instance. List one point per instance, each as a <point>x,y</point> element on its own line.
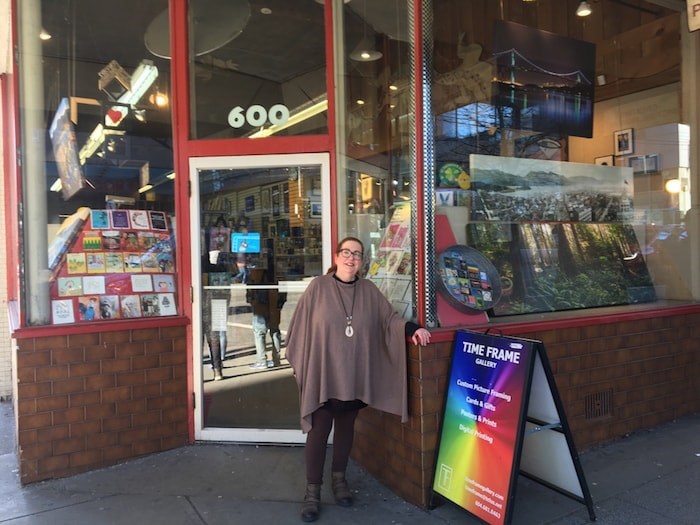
<point>646,371</point>
<point>91,400</point>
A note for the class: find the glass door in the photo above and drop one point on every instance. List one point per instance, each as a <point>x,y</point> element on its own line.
<point>258,238</point>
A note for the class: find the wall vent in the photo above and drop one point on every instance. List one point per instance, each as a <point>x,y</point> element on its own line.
<point>599,404</point>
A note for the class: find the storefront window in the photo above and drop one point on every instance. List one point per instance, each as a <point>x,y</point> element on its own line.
<point>374,111</point>
<point>562,181</point>
<point>97,162</point>
<point>258,71</point>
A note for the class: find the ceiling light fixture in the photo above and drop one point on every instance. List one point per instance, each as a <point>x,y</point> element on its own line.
<point>584,9</point>
<point>364,51</point>
<point>214,24</point>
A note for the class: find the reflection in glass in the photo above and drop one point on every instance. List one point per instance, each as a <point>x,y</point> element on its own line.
<point>260,243</point>
<point>257,72</point>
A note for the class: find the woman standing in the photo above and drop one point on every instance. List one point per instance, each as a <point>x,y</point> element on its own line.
<point>347,347</point>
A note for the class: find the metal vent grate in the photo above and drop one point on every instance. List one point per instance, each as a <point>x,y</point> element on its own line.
<point>599,404</point>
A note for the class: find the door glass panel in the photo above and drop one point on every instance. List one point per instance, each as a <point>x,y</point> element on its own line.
<point>260,244</point>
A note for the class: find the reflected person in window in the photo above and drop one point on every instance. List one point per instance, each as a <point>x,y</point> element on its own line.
<point>347,346</point>
<point>216,337</point>
<point>266,302</point>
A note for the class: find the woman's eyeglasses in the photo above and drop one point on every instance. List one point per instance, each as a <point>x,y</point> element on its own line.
<point>346,254</point>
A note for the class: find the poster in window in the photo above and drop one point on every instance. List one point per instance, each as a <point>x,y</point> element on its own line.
<point>65,150</point>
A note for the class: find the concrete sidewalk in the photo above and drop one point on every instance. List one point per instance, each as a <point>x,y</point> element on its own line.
<point>650,477</point>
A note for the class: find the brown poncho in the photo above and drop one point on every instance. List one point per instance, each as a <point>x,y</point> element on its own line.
<point>370,365</point>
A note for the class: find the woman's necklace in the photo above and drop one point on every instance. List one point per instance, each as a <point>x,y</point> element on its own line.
<point>348,317</point>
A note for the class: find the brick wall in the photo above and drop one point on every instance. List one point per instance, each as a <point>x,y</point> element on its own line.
<point>91,400</point>
<point>651,369</point>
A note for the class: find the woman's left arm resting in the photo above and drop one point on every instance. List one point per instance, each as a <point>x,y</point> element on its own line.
<point>419,336</point>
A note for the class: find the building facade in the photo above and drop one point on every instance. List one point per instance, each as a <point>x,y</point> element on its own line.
<point>508,165</point>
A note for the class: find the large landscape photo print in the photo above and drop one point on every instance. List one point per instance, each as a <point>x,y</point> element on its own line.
<point>558,234</point>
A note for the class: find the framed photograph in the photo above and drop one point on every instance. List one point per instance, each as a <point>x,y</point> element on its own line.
<point>315,210</point>
<point>623,142</point>
<point>644,163</point>
<point>605,160</point>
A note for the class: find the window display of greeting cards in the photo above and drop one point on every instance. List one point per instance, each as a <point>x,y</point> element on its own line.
<point>116,264</point>
<point>391,269</point>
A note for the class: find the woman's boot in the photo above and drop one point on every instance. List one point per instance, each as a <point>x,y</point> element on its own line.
<point>312,500</point>
<point>341,491</point>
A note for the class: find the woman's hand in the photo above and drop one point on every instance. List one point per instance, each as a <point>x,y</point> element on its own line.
<point>421,337</point>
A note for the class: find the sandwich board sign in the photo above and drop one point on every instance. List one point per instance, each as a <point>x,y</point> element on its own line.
<point>503,417</point>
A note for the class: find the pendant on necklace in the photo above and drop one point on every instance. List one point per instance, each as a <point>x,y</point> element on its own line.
<point>349,331</point>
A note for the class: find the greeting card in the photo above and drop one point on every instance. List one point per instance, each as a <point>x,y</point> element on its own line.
<point>70,286</point>
<point>120,219</point>
<point>75,263</point>
<point>130,305</point>
<point>62,311</point>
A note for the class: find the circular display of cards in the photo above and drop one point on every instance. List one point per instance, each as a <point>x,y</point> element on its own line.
<point>467,279</point>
